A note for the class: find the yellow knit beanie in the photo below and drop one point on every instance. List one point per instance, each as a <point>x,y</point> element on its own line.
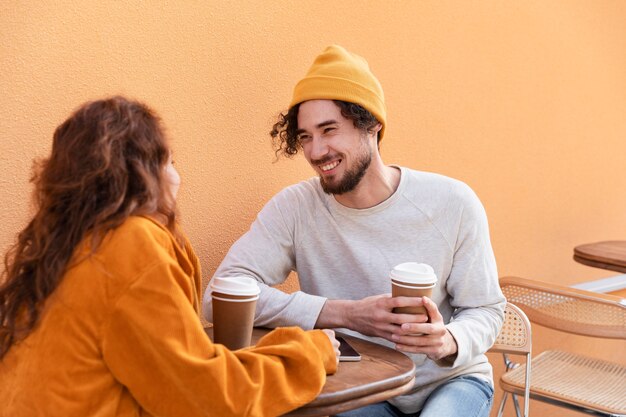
<point>337,74</point>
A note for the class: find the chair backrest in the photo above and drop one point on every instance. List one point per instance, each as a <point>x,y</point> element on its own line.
<point>515,338</point>
<point>568,309</point>
<point>515,335</point>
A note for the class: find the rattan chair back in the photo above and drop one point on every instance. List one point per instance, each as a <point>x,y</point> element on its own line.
<point>568,309</point>
<point>562,378</point>
<point>515,334</point>
<point>515,338</point>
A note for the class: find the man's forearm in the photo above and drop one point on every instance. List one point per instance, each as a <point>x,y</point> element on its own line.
<point>334,314</point>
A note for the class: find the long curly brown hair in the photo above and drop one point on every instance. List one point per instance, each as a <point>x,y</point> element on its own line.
<point>284,132</point>
<point>107,163</point>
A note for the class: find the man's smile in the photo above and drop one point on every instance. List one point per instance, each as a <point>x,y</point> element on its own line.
<point>329,166</point>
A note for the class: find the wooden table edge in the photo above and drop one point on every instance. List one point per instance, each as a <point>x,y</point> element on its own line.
<point>599,263</point>
<point>370,389</point>
<point>606,254</point>
<point>313,409</point>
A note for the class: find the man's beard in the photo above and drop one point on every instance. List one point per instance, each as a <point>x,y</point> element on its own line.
<point>351,178</point>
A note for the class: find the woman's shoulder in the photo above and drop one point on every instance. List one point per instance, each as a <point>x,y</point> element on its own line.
<point>142,229</point>
<point>127,253</point>
<point>135,245</point>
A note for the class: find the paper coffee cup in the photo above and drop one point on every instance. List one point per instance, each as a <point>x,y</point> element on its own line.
<point>412,279</point>
<point>234,305</point>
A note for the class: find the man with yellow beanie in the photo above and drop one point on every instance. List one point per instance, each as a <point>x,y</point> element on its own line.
<point>343,232</point>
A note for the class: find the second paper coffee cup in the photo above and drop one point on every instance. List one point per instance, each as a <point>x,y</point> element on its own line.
<point>412,279</point>
<point>234,305</point>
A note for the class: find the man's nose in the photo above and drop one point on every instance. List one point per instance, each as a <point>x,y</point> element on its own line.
<point>319,148</point>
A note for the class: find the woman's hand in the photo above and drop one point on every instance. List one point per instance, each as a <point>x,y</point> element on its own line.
<point>333,341</point>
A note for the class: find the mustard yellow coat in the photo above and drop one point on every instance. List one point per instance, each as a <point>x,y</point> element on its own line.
<point>120,336</point>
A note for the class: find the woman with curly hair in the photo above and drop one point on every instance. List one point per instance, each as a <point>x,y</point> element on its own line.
<point>100,294</point>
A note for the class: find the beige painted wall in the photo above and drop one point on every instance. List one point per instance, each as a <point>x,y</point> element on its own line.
<point>524,101</point>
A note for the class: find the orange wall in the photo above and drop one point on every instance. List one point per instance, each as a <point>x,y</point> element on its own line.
<point>525,101</point>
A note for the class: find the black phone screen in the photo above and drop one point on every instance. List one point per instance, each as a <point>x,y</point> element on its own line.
<point>347,352</point>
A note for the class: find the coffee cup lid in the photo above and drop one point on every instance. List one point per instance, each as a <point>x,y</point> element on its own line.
<point>414,273</point>
<point>235,285</point>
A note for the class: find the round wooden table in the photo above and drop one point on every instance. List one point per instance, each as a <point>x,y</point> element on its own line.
<point>382,373</point>
<point>609,255</point>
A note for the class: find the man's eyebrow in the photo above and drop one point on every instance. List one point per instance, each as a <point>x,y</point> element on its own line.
<point>319,126</point>
<point>326,123</point>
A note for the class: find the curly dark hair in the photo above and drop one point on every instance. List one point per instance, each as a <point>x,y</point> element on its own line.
<point>285,139</point>
<point>107,164</point>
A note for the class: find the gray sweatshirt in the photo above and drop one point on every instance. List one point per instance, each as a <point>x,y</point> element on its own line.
<point>346,254</point>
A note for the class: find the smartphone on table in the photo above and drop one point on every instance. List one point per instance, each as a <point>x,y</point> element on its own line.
<point>347,352</point>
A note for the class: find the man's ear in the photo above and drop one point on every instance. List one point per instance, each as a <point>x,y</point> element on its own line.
<point>374,131</point>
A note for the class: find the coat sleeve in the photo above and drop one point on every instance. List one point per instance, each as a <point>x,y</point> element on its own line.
<point>154,345</point>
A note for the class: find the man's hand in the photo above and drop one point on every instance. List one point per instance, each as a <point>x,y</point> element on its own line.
<point>371,316</point>
<point>432,339</point>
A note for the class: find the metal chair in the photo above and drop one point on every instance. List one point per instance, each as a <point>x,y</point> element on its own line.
<point>515,338</point>
<point>562,378</point>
